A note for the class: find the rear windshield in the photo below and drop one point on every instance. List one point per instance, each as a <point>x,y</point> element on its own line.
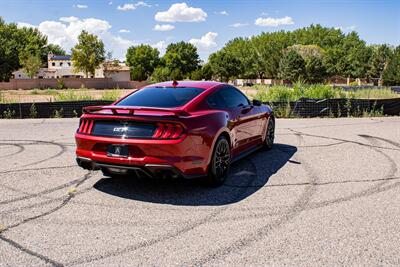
<point>168,97</point>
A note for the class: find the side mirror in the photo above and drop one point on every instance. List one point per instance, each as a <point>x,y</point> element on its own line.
<point>257,102</point>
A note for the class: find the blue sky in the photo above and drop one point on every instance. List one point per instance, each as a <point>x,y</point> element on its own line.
<point>208,24</point>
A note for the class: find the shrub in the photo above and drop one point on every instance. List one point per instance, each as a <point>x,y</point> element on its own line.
<point>58,113</point>
<point>32,111</point>
<point>60,84</point>
<point>8,114</point>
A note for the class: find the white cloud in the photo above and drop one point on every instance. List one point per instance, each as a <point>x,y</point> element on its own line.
<point>274,22</point>
<point>110,3</point>
<point>69,19</point>
<point>163,27</point>
<point>124,31</point>
<point>206,42</point>
<point>238,24</point>
<point>80,6</point>
<point>24,24</point>
<point>181,12</point>
<point>223,13</point>
<point>65,33</point>
<point>161,46</point>
<point>346,29</point>
<point>128,6</point>
<point>141,3</point>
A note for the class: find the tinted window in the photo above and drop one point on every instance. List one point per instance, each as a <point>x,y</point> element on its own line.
<point>227,97</point>
<point>161,97</point>
<point>216,100</point>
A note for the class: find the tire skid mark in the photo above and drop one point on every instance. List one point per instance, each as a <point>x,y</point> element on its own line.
<point>45,202</point>
<point>38,169</point>
<point>63,149</point>
<point>338,125</point>
<point>319,183</point>
<point>168,236</point>
<point>31,252</point>
<point>64,202</point>
<point>41,193</point>
<point>264,230</point>
<point>325,145</point>
<point>20,150</point>
<point>343,140</point>
<point>372,190</point>
<point>260,233</point>
<point>380,138</point>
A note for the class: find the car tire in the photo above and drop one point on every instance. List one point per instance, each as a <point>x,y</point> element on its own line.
<point>220,162</point>
<point>270,134</point>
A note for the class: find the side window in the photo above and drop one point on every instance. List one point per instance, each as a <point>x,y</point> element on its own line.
<point>233,98</point>
<point>216,100</point>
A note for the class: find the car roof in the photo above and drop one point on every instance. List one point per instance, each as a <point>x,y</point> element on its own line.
<point>196,84</point>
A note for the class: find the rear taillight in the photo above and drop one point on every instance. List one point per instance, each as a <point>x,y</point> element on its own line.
<point>85,126</point>
<point>168,131</point>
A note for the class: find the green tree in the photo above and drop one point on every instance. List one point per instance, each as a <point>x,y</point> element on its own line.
<point>224,65</point>
<point>88,53</point>
<point>268,50</point>
<point>138,74</point>
<point>354,62</point>
<point>378,62</point>
<point>142,59</point>
<point>315,70</point>
<point>207,72</point>
<point>161,74</point>
<point>292,67</point>
<point>30,64</point>
<point>242,49</point>
<point>181,59</point>
<point>391,75</point>
<point>13,42</point>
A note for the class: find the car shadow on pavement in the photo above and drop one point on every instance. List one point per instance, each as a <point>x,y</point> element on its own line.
<point>246,177</point>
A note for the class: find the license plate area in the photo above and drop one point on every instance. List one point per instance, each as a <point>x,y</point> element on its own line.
<point>118,151</point>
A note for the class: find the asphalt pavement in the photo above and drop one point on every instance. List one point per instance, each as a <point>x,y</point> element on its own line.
<point>328,193</point>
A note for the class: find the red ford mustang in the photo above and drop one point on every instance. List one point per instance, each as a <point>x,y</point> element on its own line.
<point>172,129</point>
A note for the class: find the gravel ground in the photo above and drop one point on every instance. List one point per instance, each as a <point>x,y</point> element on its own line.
<point>327,194</point>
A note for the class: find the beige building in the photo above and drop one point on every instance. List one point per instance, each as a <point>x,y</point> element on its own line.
<point>62,67</point>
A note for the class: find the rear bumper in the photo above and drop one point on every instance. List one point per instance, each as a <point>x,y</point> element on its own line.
<point>148,170</point>
<point>187,157</point>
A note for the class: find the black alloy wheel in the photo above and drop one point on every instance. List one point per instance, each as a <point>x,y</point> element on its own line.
<point>270,134</point>
<point>220,162</point>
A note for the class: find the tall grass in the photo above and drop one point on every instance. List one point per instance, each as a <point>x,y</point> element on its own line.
<point>71,95</point>
<point>372,94</point>
<point>2,97</point>
<point>279,93</point>
<point>112,95</point>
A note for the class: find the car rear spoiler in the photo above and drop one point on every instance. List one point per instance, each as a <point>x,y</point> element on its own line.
<point>130,110</point>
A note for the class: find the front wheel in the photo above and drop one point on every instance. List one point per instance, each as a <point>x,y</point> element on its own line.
<point>270,134</point>
<point>220,162</point>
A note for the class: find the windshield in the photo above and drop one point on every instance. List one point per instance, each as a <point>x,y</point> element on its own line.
<point>160,97</point>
